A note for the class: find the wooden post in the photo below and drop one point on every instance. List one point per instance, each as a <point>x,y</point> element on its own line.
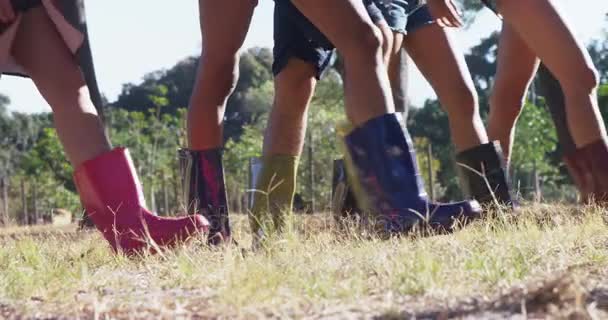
<point>429,158</point>
<point>311,172</point>
<point>26,219</point>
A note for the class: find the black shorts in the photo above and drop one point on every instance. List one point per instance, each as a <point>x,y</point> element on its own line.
<point>296,37</point>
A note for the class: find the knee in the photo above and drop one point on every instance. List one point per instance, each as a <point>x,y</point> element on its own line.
<point>585,81</point>
<point>294,88</point>
<point>507,104</point>
<point>364,45</point>
<point>221,70</point>
<point>503,116</point>
<point>464,105</point>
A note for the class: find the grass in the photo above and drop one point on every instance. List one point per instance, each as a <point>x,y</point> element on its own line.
<point>546,260</point>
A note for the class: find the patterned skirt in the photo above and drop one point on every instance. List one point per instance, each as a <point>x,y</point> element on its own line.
<point>72,36</point>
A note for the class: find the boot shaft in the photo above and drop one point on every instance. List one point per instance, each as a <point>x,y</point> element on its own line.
<point>383,152</point>
<point>343,203</point>
<point>109,181</point>
<point>204,190</point>
<point>483,176</point>
<point>274,192</point>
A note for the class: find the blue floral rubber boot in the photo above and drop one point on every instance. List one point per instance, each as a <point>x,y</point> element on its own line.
<point>388,183</point>
<point>205,191</point>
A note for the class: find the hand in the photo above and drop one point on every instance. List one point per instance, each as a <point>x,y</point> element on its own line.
<point>446,13</point>
<point>7,14</point>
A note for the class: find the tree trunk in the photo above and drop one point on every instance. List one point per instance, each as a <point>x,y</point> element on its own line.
<point>153,199</point>
<point>6,216</point>
<point>176,191</point>
<point>24,213</point>
<point>538,194</point>
<point>311,172</point>
<point>429,157</point>
<point>165,196</point>
<point>35,202</point>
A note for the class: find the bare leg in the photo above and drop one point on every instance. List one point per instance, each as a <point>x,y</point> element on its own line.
<point>367,87</point>
<point>388,41</point>
<point>224,25</point>
<point>286,130</point>
<point>398,74</point>
<point>283,142</point>
<point>434,52</point>
<point>517,65</point>
<point>43,53</point>
<point>544,29</point>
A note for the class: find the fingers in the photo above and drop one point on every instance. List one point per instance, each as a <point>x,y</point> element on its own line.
<point>446,13</point>
<point>443,22</point>
<point>7,14</point>
<point>454,16</point>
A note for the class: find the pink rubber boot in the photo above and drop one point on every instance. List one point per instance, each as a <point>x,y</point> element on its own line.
<point>112,196</point>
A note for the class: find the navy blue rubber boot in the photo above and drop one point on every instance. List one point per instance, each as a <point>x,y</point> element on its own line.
<point>390,186</point>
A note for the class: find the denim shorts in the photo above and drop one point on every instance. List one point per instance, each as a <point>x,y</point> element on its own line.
<point>296,37</point>
<point>405,16</point>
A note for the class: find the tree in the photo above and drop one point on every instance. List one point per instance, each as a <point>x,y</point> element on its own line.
<point>431,124</point>
<point>153,138</point>
<point>535,142</point>
<point>255,71</point>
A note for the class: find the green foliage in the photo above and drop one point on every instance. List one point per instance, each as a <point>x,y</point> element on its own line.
<point>236,163</point>
<point>422,152</point>
<point>178,83</point>
<point>431,123</point>
<point>533,149</point>
<point>535,138</point>
<point>153,139</point>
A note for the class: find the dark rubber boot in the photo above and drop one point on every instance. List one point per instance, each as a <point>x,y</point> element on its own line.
<point>388,183</point>
<point>483,174</point>
<point>344,205</point>
<point>205,191</point>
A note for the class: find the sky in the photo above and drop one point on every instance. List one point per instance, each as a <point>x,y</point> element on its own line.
<point>129,42</point>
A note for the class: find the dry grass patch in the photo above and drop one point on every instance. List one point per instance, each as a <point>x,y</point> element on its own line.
<point>315,271</point>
